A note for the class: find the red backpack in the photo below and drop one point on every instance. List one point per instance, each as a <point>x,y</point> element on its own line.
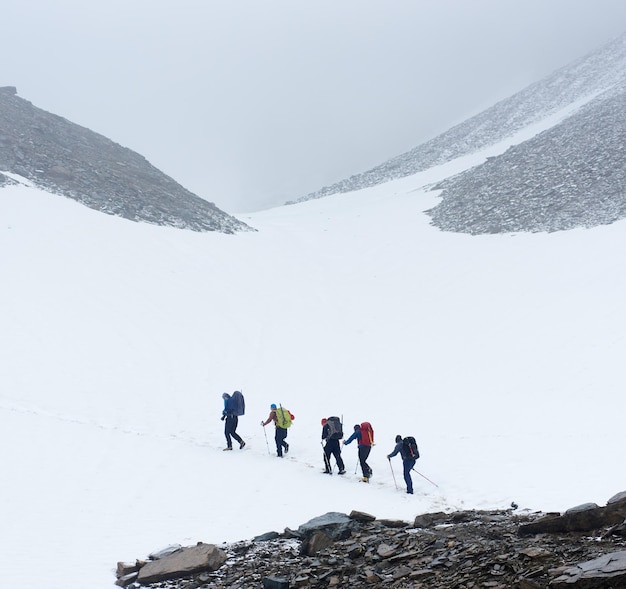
<point>367,434</point>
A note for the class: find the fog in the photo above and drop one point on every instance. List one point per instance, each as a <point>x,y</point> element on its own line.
<point>250,104</point>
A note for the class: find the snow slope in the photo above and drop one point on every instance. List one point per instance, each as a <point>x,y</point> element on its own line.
<point>502,354</point>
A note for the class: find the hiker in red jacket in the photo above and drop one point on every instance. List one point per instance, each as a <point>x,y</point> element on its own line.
<point>365,441</point>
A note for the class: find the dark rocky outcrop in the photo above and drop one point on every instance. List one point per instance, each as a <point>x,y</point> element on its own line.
<point>463,550</point>
<point>584,518</point>
<point>65,158</point>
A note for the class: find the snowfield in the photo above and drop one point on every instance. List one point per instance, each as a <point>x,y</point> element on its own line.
<point>503,355</point>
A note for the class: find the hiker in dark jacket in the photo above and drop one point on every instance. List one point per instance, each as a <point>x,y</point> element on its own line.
<point>365,447</point>
<point>332,447</point>
<point>231,423</point>
<point>408,462</point>
<point>281,432</point>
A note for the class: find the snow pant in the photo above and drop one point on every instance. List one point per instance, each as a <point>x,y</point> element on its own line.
<point>230,430</point>
<point>364,452</point>
<point>281,434</point>
<point>408,465</point>
<point>333,448</point>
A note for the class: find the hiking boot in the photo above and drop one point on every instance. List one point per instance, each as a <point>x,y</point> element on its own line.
<point>410,492</point>
<point>342,472</point>
<point>228,448</point>
<point>365,480</point>
<point>286,447</point>
<point>327,471</point>
<point>242,444</point>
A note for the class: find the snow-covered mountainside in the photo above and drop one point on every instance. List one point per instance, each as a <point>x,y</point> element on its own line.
<point>65,158</point>
<point>580,160</point>
<point>501,354</point>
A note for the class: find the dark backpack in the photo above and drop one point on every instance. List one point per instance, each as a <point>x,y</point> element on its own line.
<point>410,448</point>
<point>238,404</point>
<point>335,429</point>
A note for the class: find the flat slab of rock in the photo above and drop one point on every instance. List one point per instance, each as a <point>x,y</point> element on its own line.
<point>583,518</point>
<point>361,516</point>
<point>330,519</point>
<point>266,537</point>
<point>184,562</point>
<point>426,520</point>
<point>336,525</point>
<point>608,570</point>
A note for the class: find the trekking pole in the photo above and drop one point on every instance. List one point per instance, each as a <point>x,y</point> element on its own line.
<point>329,468</point>
<point>419,473</point>
<point>266,442</point>
<point>393,474</point>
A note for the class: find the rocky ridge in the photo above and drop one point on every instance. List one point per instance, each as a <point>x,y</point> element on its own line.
<point>570,176</point>
<point>584,547</point>
<point>65,158</point>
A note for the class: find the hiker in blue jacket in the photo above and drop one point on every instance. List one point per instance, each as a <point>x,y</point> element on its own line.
<point>364,448</point>
<point>231,423</point>
<point>408,462</point>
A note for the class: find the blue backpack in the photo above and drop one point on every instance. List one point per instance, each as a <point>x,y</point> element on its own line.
<point>238,404</point>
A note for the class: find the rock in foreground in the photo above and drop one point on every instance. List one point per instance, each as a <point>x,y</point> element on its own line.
<point>464,550</point>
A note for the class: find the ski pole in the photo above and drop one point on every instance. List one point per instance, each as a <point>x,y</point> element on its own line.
<point>329,468</point>
<point>266,442</point>
<point>393,474</point>
<point>419,473</point>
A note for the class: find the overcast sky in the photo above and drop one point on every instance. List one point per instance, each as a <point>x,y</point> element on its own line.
<point>250,103</point>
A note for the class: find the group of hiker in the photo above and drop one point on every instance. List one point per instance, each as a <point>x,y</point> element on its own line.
<point>332,438</point>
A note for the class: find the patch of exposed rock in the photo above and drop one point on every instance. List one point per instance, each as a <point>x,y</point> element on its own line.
<point>601,71</point>
<point>573,175</point>
<point>62,157</point>
<point>581,548</point>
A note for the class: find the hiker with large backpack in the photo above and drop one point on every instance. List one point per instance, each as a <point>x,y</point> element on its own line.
<point>364,434</point>
<point>332,432</point>
<point>407,448</point>
<point>234,407</point>
<point>282,419</point>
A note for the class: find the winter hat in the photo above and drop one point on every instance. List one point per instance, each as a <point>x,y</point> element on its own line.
<point>398,439</point>
<point>273,406</point>
<point>323,421</point>
<point>357,426</point>
<point>225,395</point>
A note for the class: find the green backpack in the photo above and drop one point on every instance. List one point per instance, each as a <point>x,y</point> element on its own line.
<point>284,417</point>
